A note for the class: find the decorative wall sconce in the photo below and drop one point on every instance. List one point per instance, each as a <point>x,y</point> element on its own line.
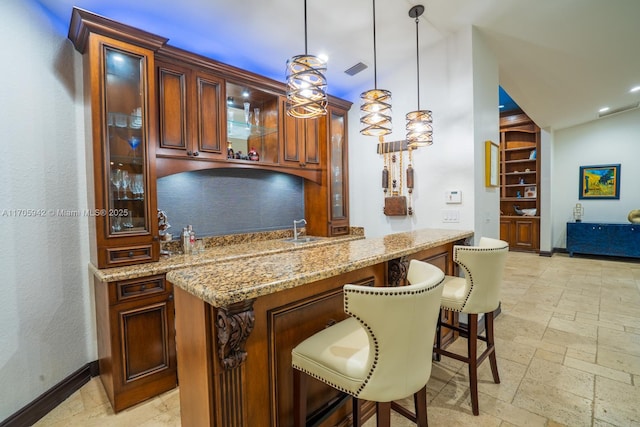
<point>306,83</point>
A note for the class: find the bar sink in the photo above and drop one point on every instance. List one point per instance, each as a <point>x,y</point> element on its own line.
<point>303,239</point>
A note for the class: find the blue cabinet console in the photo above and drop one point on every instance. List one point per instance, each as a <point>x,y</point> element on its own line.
<point>603,239</point>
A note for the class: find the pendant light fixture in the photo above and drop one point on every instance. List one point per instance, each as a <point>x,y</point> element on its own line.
<point>375,110</point>
<point>306,83</point>
<point>419,122</point>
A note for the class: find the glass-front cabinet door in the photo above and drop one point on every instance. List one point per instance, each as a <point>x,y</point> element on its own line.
<point>126,220</point>
<point>252,124</point>
<point>338,182</point>
<point>126,144</point>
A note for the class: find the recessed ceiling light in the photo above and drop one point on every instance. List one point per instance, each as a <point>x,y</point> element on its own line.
<point>324,57</point>
<point>635,89</point>
<point>603,109</point>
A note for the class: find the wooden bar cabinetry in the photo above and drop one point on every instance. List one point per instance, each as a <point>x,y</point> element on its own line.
<point>190,112</point>
<point>118,79</point>
<point>136,339</point>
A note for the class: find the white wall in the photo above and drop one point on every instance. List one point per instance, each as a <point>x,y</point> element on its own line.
<point>486,120</point>
<point>45,309</point>
<point>610,140</point>
<point>452,85</point>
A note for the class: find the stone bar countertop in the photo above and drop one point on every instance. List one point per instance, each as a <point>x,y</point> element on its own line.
<point>236,248</point>
<point>231,281</point>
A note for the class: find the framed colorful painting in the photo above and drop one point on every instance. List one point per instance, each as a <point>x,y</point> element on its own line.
<point>600,182</point>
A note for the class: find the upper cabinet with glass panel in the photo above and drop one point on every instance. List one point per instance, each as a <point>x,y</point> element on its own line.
<point>252,124</point>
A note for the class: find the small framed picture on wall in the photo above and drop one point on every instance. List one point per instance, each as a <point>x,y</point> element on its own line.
<point>600,182</point>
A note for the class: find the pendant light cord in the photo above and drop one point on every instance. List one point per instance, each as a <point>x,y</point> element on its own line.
<point>417,63</point>
<point>305,27</point>
<point>375,62</point>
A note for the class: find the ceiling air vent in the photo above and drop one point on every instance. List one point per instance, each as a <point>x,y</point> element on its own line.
<point>618,110</point>
<point>355,69</point>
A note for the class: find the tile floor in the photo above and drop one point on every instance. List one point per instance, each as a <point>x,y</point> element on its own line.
<point>568,347</point>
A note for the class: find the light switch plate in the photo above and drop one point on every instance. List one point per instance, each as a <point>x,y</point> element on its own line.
<point>453,196</point>
<point>450,215</point>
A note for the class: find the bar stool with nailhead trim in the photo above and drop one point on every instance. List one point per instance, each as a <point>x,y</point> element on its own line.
<point>475,293</point>
<point>381,353</point>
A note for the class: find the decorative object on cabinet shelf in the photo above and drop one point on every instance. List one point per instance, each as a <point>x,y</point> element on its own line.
<point>491,169</point>
<point>375,110</point>
<point>163,225</point>
<point>247,107</point>
<point>578,212</point>
<point>600,182</point>
<point>518,194</point>
<point>530,192</point>
<point>230,153</point>
<point>306,83</point>
<point>419,122</point>
<point>525,212</point>
<point>532,155</point>
<point>634,216</point>
<point>521,180</point>
<point>253,154</point>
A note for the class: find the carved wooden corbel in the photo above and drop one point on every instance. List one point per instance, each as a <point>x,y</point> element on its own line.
<point>233,325</point>
<point>397,271</point>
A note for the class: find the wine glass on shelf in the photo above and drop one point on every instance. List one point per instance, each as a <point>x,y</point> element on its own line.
<point>116,180</point>
<point>133,141</point>
<point>126,183</point>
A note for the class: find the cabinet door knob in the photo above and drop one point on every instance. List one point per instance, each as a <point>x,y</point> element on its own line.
<point>170,297</point>
<point>130,254</point>
<point>189,153</point>
<point>143,287</point>
<point>195,153</point>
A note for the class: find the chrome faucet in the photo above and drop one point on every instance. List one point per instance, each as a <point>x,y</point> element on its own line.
<point>296,233</point>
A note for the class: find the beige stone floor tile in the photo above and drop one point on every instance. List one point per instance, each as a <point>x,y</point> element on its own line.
<point>591,307</point>
<point>510,373</point>
<point>514,351</point>
<point>564,316</point>
<point>616,403</point>
<point>573,327</point>
<point>562,377</point>
<point>553,403</point>
<point>617,360</point>
<point>629,309</point>
<point>509,414</point>
<point>511,327</point>
<point>585,319</point>
<point>549,355</point>
<point>453,407</point>
<point>596,369</point>
<point>600,423</point>
<point>538,343</point>
<point>621,319</point>
<point>570,340</point>
<point>581,355</point>
<point>623,342</point>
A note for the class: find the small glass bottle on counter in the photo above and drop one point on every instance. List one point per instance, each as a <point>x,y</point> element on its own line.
<point>192,240</point>
<point>186,241</point>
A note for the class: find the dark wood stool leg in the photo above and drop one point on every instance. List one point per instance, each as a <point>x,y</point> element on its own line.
<point>300,398</point>
<point>420,402</point>
<point>356,413</point>
<point>383,414</point>
<point>472,346</point>
<point>439,335</point>
<point>488,326</point>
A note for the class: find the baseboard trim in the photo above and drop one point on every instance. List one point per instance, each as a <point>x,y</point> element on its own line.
<point>43,404</point>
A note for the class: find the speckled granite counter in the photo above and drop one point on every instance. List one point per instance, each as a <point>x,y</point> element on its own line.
<point>232,281</point>
<point>231,248</point>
